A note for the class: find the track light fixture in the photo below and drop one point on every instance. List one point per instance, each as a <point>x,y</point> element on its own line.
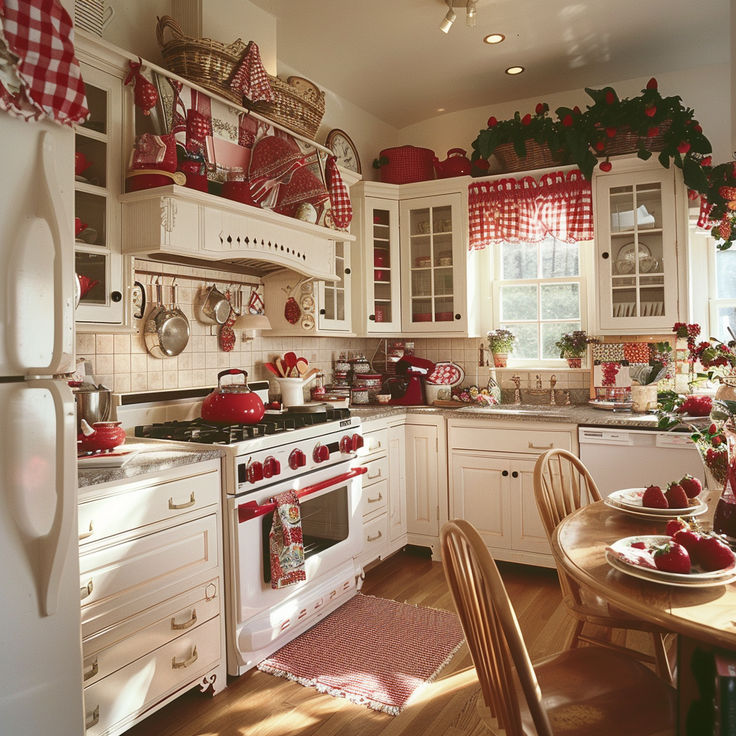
<point>449,18</point>
<point>470,12</point>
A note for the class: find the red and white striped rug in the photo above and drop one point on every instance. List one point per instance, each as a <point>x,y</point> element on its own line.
<point>372,651</point>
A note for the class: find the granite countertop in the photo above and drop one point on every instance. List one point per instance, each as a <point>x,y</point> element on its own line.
<point>152,456</point>
<point>578,414</point>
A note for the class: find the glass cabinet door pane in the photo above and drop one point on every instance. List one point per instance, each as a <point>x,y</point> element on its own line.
<point>92,271</point>
<point>384,271</point>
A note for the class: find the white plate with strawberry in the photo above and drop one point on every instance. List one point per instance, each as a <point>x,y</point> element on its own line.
<point>680,498</point>
<point>705,561</point>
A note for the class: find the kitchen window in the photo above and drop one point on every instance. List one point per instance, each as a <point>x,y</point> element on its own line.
<point>539,294</point>
<point>723,293</point>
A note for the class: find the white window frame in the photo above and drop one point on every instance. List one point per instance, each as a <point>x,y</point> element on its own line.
<point>713,301</point>
<point>584,279</point>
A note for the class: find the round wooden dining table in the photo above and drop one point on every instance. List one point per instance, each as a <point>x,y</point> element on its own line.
<point>706,614</point>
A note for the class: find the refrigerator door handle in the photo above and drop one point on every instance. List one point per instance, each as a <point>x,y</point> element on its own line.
<point>52,547</point>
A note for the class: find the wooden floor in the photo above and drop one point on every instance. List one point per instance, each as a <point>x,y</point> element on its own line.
<point>263,705</point>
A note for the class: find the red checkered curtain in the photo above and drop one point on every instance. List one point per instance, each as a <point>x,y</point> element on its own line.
<point>565,206</point>
<point>526,211</point>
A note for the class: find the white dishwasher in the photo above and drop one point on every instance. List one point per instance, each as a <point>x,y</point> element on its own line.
<point>633,458</point>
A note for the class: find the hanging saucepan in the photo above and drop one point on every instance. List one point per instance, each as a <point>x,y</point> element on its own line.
<point>233,403</point>
<point>215,309</point>
<point>167,329</point>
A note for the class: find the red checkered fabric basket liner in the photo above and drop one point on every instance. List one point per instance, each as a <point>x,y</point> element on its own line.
<point>527,211</point>
<point>38,39</point>
<point>251,78</point>
<point>446,374</point>
<point>342,208</point>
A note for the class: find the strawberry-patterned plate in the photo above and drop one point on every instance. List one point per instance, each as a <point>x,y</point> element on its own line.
<point>446,374</point>
<point>631,498</point>
<point>627,559</point>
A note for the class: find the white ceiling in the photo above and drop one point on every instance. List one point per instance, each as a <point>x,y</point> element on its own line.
<point>390,58</point>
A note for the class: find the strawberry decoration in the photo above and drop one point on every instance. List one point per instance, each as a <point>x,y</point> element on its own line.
<point>606,165</point>
<point>292,311</point>
<point>145,95</point>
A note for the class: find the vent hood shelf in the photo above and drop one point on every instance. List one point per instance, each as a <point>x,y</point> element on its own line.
<point>180,225</point>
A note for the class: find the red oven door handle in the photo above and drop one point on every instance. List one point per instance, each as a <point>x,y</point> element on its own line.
<point>251,509</point>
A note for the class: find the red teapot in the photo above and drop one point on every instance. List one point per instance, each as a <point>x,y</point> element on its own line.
<point>81,163</point>
<point>100,437</point>
<point>456,164</point>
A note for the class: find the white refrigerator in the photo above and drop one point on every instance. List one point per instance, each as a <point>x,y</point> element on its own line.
<point>40,640</point>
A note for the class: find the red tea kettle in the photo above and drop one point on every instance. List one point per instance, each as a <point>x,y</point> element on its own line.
<point>100,436</point>
<point>456,164</point>
<point>233,403</point>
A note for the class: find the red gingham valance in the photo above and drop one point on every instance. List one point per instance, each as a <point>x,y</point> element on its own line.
<point>527,211</point>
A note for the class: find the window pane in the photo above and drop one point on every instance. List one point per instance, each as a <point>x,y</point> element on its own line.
<point>519,302</point>
<point>560,301</point>
<point>519,261</point>
<point>559,260</point>
<point>726,276</point>
<point>527,341</point>
<point>726,318</point>
<point>551,333</point>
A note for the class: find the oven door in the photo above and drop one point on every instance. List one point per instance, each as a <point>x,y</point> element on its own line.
<point>331,526</point>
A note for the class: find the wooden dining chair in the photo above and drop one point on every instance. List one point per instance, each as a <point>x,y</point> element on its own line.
<point>578,692</point>
<point>562,484</point>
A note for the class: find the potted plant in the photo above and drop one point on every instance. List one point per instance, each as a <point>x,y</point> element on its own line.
<point>501,342</point>
<point>572,346</point>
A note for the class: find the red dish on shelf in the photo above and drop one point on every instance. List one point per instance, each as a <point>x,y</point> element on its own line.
<point>422,317</point>
<point>443,317</point>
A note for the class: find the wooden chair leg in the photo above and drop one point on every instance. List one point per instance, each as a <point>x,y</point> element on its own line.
<point>573,639</point>
<point>662,661</point>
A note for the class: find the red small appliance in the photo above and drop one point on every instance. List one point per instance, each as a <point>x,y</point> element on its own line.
<point>407,386</point>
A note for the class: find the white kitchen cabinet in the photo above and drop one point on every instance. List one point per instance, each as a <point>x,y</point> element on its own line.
<point>426,480</point>
<point>491,484</point>
<point>150,556</point>
<point>415,274</point>
<point>640,233</point>
<point>102,143</point>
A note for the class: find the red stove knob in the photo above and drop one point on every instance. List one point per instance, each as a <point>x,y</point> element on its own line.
<point>346,444</point>
<point>255,472</point>
<point>271,467</point>
<point>321,453</point>
<point>297,459</point>
<point>357,442</point>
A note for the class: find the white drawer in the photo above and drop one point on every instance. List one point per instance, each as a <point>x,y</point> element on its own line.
<point>374,442</point>
<point>534,441</point>
<point>375,498</point>
<point>115,647</point>
<point>375,539</point>
<point>118,574</point>
<point>122,696</point>
<point>137,506</point>
<point>377,470</point>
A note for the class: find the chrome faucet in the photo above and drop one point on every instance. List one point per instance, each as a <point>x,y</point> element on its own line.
<point>540,391</point>
<point>517,390</point>
<point>552,382</point>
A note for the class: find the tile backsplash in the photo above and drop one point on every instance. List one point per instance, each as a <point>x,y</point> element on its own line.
<point>122,362</point>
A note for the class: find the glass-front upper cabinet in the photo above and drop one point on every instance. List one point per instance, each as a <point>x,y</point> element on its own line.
<point>636,239</point>
<point>98,182</point>
<point>433,264</point>
<point>334,296</point>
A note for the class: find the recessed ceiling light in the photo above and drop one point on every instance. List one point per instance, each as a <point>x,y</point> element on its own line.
<point>514,70</point>
<point>440,109</point>
<point>494,38</point>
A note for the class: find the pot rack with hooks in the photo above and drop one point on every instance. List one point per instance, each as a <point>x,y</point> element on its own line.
<point>200,279</point>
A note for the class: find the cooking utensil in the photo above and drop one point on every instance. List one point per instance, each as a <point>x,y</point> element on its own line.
<point>290,363</point>
<point>271,368</point>
<point>233,403</point>
<point>167,329</point>
<point>280,367</point>
<point>215,309</point>
<point>101,436</point>
<point>302,365</point>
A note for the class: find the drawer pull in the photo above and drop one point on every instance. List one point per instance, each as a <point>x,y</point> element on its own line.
<point>373,539</point>
<point>532,446</point>
<point>92,671</point>
<point>187,624</point>
<point>85,535</point>
<point>175,665</point>
<point>376,500</point>
<point>176,506</point>
<point>86,590</point>
<point>376,475</point>
<point>92,719</point>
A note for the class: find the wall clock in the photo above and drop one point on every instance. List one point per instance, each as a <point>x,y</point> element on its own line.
<point>339,142</point>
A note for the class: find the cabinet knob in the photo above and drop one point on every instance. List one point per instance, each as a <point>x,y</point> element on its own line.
<point>504,473</point>
<point>458,316</point>
<point>515,474</point>
<point>372,317</point>
<point>116,296</point>
<point>347,271</point>
<point>604,255</point>
<point>323,311</point>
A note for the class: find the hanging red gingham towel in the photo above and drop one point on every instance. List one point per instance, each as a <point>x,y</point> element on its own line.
<point>342,209</point>
<point>44,79</point>
<point>285,541</point>
<point>251,78</point>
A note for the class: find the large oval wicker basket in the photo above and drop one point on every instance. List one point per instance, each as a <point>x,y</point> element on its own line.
<point>208,63</point>
<point>298,105</point>
<point>538,156</point>
<point>627,141</point>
